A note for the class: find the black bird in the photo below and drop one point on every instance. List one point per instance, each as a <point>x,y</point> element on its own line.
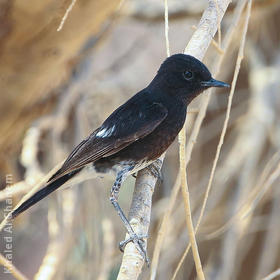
<point>136,133</point>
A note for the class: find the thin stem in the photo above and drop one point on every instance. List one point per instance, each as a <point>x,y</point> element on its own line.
<point>186,195</point>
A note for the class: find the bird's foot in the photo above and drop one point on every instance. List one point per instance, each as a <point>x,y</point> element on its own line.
<point>139,242</point>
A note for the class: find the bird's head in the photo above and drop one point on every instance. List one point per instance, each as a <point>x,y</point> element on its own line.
<point>185,77</point>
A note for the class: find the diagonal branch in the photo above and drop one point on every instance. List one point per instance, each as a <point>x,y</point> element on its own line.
<point>197,47</point>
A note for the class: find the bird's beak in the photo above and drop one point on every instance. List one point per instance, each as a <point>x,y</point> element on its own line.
<point>214,83</point>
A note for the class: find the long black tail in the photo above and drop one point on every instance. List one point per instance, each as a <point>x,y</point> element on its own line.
<point>49,188</point>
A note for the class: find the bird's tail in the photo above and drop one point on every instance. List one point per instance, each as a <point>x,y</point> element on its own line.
<point>49,188</point>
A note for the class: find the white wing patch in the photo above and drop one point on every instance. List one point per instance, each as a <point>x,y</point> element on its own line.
<point>105,132</point>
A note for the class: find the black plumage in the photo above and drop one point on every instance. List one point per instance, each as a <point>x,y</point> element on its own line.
<point>138,132</point>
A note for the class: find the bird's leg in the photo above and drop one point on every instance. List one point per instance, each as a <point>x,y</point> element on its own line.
<point>154,169</point>
<point>137,240</point>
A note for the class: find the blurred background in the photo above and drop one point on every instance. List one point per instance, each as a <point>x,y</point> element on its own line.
<point>56,87</point>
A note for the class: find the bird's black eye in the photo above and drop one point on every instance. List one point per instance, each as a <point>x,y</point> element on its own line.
<point>188,75</point>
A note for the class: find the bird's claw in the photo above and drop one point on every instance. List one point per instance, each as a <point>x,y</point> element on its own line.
<point>130,239</point>
<point>138,241</point>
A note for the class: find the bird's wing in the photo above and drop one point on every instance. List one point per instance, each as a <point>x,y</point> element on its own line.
<point>127,124</point>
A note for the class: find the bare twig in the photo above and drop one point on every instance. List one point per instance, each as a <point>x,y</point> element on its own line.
<point>139,217</point>
<point>198,51</point>
<point>219,25</point>
<point>272,275</point>
<point>197,46</point>
<point>128,269</point>
<point>186,195</point>
<point>225,271</point>
<point>225,47</point>
<point>208,25</point>
<point>236,72</point>
<point>69,9</point>
<point>10,267</point>
<point>16,189</point>
<point>216,45</point>
<point>166,27</point>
